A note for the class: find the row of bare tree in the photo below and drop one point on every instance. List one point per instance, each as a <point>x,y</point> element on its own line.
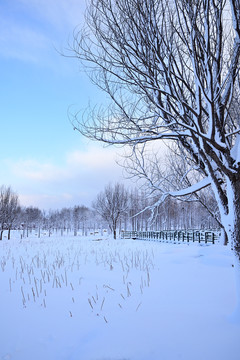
<point>115,208</point>
<point>124,209</point>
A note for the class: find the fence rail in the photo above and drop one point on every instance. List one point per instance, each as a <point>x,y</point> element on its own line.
<point>206,236</point>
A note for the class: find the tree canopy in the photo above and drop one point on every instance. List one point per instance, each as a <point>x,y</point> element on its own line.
<point>171,71</point>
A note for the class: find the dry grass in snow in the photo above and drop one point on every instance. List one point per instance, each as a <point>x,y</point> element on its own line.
<point>82,299</point>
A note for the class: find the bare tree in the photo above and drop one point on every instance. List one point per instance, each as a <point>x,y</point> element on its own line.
<point>171,69</point>
<point>65,220</point>
<point>9,209</point>
<point>31,219</point>
<point>169,175</point>
<point>79,218</point>
<point>111,204</point>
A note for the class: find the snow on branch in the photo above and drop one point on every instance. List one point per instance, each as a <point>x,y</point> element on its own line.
<point>179,193</point>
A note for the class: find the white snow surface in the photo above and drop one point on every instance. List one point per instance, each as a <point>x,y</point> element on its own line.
<point>95,298</point>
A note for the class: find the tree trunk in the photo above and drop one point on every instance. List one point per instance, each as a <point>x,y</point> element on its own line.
<point>225,237</point>
<point>236,248</point>
<point>1,234</point>
<point>232,228</point>
<point>114,233</point>
<point>235,231</point>
<point>9,230</point>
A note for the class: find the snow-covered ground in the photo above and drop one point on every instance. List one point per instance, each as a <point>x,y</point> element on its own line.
<point>103,299</point>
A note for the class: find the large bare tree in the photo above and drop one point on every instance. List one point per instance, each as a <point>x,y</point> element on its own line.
<point>171,70</point>
<point>111,204</point>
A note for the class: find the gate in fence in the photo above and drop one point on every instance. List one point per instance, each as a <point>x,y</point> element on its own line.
<point>206,236</point>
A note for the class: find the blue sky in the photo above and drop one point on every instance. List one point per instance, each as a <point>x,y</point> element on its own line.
<point>47,163</point>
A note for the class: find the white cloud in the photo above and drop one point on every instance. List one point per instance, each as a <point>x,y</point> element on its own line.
<point>36,171</point>
<point>82,174</point>
<point>76,163</point>
<point>46,201</point>
<point>96,158</point>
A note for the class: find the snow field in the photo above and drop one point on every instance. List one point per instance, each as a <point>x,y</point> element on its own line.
<point>91,299</point>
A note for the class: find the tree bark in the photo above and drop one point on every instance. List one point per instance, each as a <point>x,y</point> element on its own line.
<point>232,230</point>
<point>236,218</point>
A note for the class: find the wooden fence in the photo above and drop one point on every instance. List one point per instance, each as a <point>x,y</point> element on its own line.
<point>206,236</point>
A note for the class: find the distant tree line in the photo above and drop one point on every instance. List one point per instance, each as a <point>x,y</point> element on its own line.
<point>116,208</point>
